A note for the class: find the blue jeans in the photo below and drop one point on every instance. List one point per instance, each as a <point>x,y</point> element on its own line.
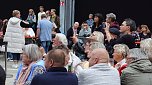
<point>45,45</point>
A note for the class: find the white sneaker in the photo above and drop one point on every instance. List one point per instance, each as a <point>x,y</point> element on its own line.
<point>15,66</point>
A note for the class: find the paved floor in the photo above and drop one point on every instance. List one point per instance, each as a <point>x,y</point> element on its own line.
<point>10,70</point>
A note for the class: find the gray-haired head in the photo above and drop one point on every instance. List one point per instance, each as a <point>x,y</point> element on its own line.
<point>111,15</point>
<point>32,51</point>
<point>122,48</point>
<point>137,54</point>
<point>62,38</point>
<point>146,46</point>
<point>98,40</point>
<point>131,23</point>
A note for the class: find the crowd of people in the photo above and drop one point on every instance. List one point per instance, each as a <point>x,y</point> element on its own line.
<point>97,52</point>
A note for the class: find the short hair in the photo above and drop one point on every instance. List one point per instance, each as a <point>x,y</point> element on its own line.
<point>57,55</point>
<point>54,10</point>
<point>15,12</point>
<point>91,15</point>
<point>64,48</point>
<point>112,16</point>
<point>146,45</point>
<point>122,48</point>
<point>137,54</point>
<point>131,23</point>
<point>41,7</point>
<point>32,51</point>
<point>62,38</point>
<point>84,22</point>
<point>43,16</point>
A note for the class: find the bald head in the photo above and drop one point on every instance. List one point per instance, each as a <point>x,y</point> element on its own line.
<point>99,55</point>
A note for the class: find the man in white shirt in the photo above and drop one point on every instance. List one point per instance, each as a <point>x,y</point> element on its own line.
<point>40,13</point>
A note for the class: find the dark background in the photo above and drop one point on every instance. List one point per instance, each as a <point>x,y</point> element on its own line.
<point>139,10</point>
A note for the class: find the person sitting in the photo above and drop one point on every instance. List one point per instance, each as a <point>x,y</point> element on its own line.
<point>139,69</point>
<point>31,66</point>
<point>2,76</point>
<point>29,35</point>
<point>99,72</point>
<point>60,42</point>
<point>56,73</point>
<point>85,30</point>
<point>119,55</point>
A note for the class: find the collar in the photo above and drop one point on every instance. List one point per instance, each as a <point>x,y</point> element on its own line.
<point>121,63</point>
<point>57,69</point>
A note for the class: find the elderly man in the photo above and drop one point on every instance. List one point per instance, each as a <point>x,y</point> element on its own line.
<point>99,73</point>
<point>139,70</point>
<point>145,45</point>
<point>56,73</point>
<point>72,31</point>
<point>60,41</point>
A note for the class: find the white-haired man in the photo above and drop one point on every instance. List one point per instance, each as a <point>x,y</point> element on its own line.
<point>73,60</point>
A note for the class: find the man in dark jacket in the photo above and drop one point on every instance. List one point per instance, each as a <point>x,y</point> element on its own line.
<point>2,76</point>
<point>56,73</point>
<point>126,37</point>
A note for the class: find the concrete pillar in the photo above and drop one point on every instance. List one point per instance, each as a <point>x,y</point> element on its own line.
<point>67,9</point>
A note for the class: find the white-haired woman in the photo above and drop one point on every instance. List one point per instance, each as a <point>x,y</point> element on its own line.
<point>31,66</point>
<point>139,69</point>
<point>119,55</point>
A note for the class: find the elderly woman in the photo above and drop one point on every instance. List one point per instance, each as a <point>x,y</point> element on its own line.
<point>119,55</point>
<point>139,69</point>
<point>31,66</point>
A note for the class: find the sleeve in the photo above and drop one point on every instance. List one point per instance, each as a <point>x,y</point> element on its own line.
<point>79,46</point>
<point>38,25</point>
<point>37,70</point>
<point>123,80</point>
<point>81,80</point>
<point>24,24</point>
<point>34,19</point>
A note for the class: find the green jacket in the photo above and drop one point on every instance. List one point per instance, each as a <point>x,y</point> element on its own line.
<point>137,73</point>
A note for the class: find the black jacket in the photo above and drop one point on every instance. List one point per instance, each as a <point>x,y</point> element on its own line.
<point>55,76</point>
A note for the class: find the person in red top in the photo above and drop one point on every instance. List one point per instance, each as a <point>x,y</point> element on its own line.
<point>119,55</point>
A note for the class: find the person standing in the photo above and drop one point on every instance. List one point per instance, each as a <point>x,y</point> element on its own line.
<point>32,19</point>
<point>90,20</point>
<point>54,18</point>
<point>41,8</point>
<point>44,32</point>
<point>14,36</point>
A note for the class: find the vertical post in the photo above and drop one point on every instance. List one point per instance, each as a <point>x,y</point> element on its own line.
<point>7,75</point>
<point>62,16</point>
<point>66,14</point>
<point>5,57</point>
